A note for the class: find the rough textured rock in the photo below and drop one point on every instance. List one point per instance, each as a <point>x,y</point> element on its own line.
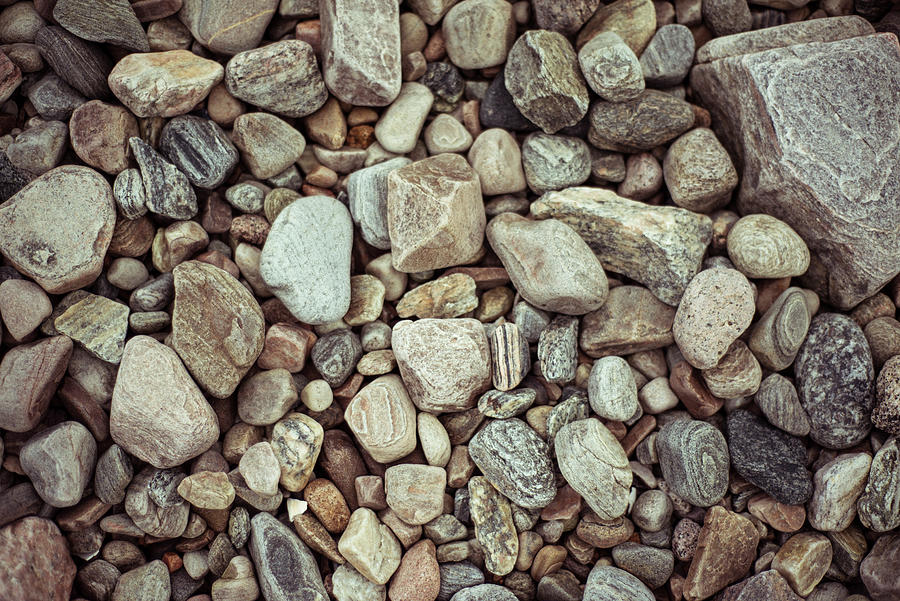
<point>879,505</point>
<point>56,229</point>
<point>167,191</point>
<point>82,65</point>
<point>651,119</point>
<point>516,461</point>
<point>284,565</point>
<point>554,162</point>
<point>98,324</point>
<point>59,462</point>
<point>228,26</point>
<point>725,552</point>
<point>34,561</point>
<point>370,547</point>
<point>611,68</point>
<point>878,570</point>
<point>361,50</point>
<point>107,21</point>
<point>217,326</point>
<point>761,246</point>
<point>158,414</point>
<point>886,415</point>
<point>633,20</point>
<point>268,145</point>
<point>200,149</point>
<point>834,379</point>
<point>29,376</point>
<point>306,259</point>
<point>99,134</point>
<point>350,585</point>
<point>154,505</point>
<point>699,174</point>
<point>803,560</point>
<point>837,486</point>
<point>693,459</point>
<point>631,320</point>
<point>668,57</point>
<point>367,192</point>
<point>383,419</point>
<point>660,247</point>
<point>808,96</point>
<point>595,465</point>
<point>494,526</point>
<point>557,350</point>
<point>414,492</point>
<point>608,583</point>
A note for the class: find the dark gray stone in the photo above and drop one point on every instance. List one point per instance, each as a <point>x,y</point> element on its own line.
<point>97,580</point>
<point>498,109</point>
<point>668,57</point>
<point>335,355</point>
<point>167,191</point>
<point>445,82</point>
<point>183,586</point>
<point>82,65</point>
<point>163,487</point>
<point>200,149</point>
<point>726,17</point>
<point>155,295</point>
<point>221,552</point>
<point>105,21</point>
<point>693,457</point>
<point>53,98</point>
<point>878,570</point>
<point>557,350</point>
<point>11,178</point>
<point>559,586</point>
<point>112,475</point>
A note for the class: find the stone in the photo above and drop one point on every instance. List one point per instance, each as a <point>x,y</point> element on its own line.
<point>306,259</point>
<point>59,461</point>
<point>335,355</point>
<point>82,65</point>
<point>631,320</point>
<point>649,120</point>
<point>167,191</point>
<point>34,561</point>
<point>781,168</point>
<point>153,505</point>
<point>693,459</point>
<point>501,405</point>
<point>836,487</point>
<point>611,68</point>
<point>803,561</point>
<point>131,200</point>
<point>777,336</point>
<point>382,418</point>
<point>112,475</point>
<point>652,510</point>
<point>699,174</point>
<point>496,157</point>
<point>366,300</point>
<point>296,441</point>
<point>515,461</point>
<point>200,150</point>
<point>447,296</point>
<point>594,464</point>
<point>418,577</point>
<point>716,308</point>
<point>230,27</point>
<point>460,343</point>
<point>284,565</point>
<point>266,396</point>
<point>877,570</point>
<point>327,503</point>
<point>268,144</point>
<point>778,400</point>
<point>107,21</point>
<point>282,77</point>
<point>207,490</point>
<point>361,50</point>
<point>484,592</point>
<point>367,192</point>
<point>370,547</point>
<point>150,582</point>
<point>633,20</point>
<point>446,189</point>
<point>834,380</point>
<point>781,517</point>
<point>736,375</point>
<point>886,415</point>
<point>651,565</point>
<point>878,507</point>
<point>415,492</point>
<point>158,414</point>
<point>883,336</point>
<point>126,273</point>
<point>725,552</point>
<point>494,527</point>
<point>544,80</point>
<point>568,279</point>
<point>667,59</point>
<point>479,33</point>
<point>510,357</point>
<point>765,585</point>
<point>769,458</point>
<point>632,238</point>
<point>53,98</point>
<point>446,134</point>
<point>612,390</point>
<point>399,127</point>
<point>99,134</point>
<point>98,324</point>
<point>24,306</point>
<point>177,243</point>
<point>555,162</point>
<point>557,350</point>
<point>237,580</point>
<point>260,469</point>
<point>350,585</point>
<point>39,148</point>
<point>727,17</point>
<point>29,376</point>
<point>57,228</point>
<point>609,583</point>
<point>761,246</point>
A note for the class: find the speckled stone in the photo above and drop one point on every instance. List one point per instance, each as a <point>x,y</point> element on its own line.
<point>612,390</point>
<point>554,162</point>
<point>494,527</point>
<point>879,505</point>
<point>631,320</point>
<point>667,59</point>
<point>608,583</point>
<point>350,585</point>
<point>886,415</point>
<point>611,68</point>
<point>284,565</point>
<point>153,504</point>
<point>296,441</point>
<point>694,460</point>
<point>167,191</point>
<point>699,173</point>
<point>651,119</point>
<point>415,492</point>
<point>651,565</point>
<point>336,354</point>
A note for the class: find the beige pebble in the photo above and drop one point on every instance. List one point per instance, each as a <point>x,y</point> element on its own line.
<point>317,395</point>
<point>383,419</point>
<point>496,157</point>
<point>127,273</point>
<point>761,246</point>
<point>415,492</point>
<point>24,306</point>
<point>434,439</point>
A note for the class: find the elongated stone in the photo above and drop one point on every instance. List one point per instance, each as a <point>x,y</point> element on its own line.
<point>694,458</point>
<point>651,119</point>
<point>660,247</point>
<point>612,390</point>
<point>631,320</point>
<point>447,296</point>
<point>595,465</point>
<point>879,505</point>
<point>218,329</point>
<point>383,419</point>
<point>510,358</point>
<point>557,350</point>
<point>494,527</point>
<point>82,65</point>
<point>284,565</point>
<point>167,191</point>
<point>112,475</point>
<point>361,50</point>
<point>29,376</point>
<point>98,324</point>
<point>516,461</point>
<point>106,21</point>
<point>609,583</point>
<point>836,487</point>
<point>777,336</point>
<point>367,192</point>
<point>128,190</point>
<point>200,149</point>
<point>501,405</point>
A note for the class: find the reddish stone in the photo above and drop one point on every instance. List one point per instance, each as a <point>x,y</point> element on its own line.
<point>152,10</point>
<point>10,77</point>
<point>29,374</point>
<point>418,578</point>
<point>34,562</point>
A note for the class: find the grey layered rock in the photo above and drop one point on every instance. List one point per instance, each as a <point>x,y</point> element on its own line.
<point>660,247</point>
<point>367,192</point>
<point>777,336</point>
<point>777,398</point>
<point>494,526</point>
<point>608,583</point>
<point>693,458</point>
<point>167,191</point>
<point>879,505</point>
<point>834,379</point>
<point>557,350</point>
<point>545,82</point>
<point>105,21</point>
<point>59,461</point>
<point>112,475</point>
<point>282,77</point>
<point>227,26</point>
<point>306,259</point>
<point>53,98</point>
<point>82,65</point>
<point>284,565</point>
<point>457,576</point>
<point>611,68</point>
<point>651,119</point>
<point>564,17</point>
<point>575,407</point>
<point>516,461</point>
<point>667,59</point>
<point>128,190</point>
<point>555,162</point>
<point>808,95</point>
<point>769,458</point>
<point>154,506</point>
<point>595,465</point>
<point>336,354</point>
<point>612,390</point>
<point>361,50</point>
<point>200,150</point>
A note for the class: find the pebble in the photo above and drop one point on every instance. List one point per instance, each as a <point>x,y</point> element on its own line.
<point>111,21</point>
<point>167,190</point>
<point>237,581</point>
<point>778,400</point>
<point>479,33</point>
<point>59,461</point>
<point>99,134</point>
<point>727,17</point>
<point>447,296</point>
<point>361,50</point>
<point>60,259</point>
<point>284,565</point>
<point>326,502</point>
<point>399,127</point>
<point>769,458</point>
<point>595,465</point>
<point>494,527</point>
<point>836,487</point>
<point>883,336</point>
<point>767,585</point>
<point>382,418</point>
<point>568,279</point>
<point>667,59</point>
<point>153,504</point>
<point>555,162</point>
<point>296,440</point>
<point>694,459</point>
<point>367,191</point>
<point>611,68</point>
<point>448,189</point>
<point>726,549</point>
<point>260,469</point>
<point>200,150</point>
<point>230,27</point>
<point>158,414</point>
<point>631,320</point>
<point>699,174</point>
<point>651,565</point>
<point>266,396</point>
<point>112,475</point>
<point>447,134</point>
<point>415,492</point>
<point>736,375</point>
<point>612,390</point>
<point>878,506</point>
<point>545,82</point>
<point>716,308</point>
<point>834,379</point>
<point>82,65</point>
<point>496,157</point>
<point>282,77</point>
<point>633,20</point>
<point>207,490</point>
<point>651,119</point>
<point>484,592</point>
<point>316,289</point>
<point>557,350</point>
<point>878,570</point>
<point>510,357</point>
<point>516,461</point>
<point>633,238</point>
<point>608,583</point>
<point>418,577</point>
<point>501,405</point>
<point>370,547</point>
<point>335,355</point>
<point>149,582</point>
<point>268,145</point>
<point>53,98</point>
<point>286,346</point>
<point>777,336</point>
<point>317,396</point>
<point>803,561</point>
<point>761,246</point>
<point>350,585</point>
<point>39,148</point>
<point>24,306</point>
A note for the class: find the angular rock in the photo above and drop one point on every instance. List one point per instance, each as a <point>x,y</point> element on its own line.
<point>98,324</point>
<point>56,229</point>
<point>99,134</point>
<point>878,570</point>
<point>479,33</point>
<point>306,259</point>
<point>725,552</point>
<point>611,68</point>
<point>693,458</point>
<point>112,475</point>
<point>158,414</point>
<point>447,296</point>
<point>370,547</point>
<point>778,400</point>
<point>510,356</point>
<point>350,585</point>
<point>383,419</point>
<point>35,562</point>
<point>415,492</point>
<point>555,162</point>
<point>494,526</point>
<point>82,65</point>
<point>268,144</point>
<point>834,379</point>
<point>667,59</point>
<point>105,21</point>
<point>200,149</point>
<point>228,26</point>
<point>631,320</point>
<point>367,192</point>
<point>633,238</point>
<point>651,119</point>
<point>59,462</point>
<point>284,565</point>
<point>207,490</point>
<point>167,191</point>
<point>496,157</point>
<point>879,505</point>
<point>803,561</point>
<point>806,127</point>
<point>837,486</point>
<point>418,577</point>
